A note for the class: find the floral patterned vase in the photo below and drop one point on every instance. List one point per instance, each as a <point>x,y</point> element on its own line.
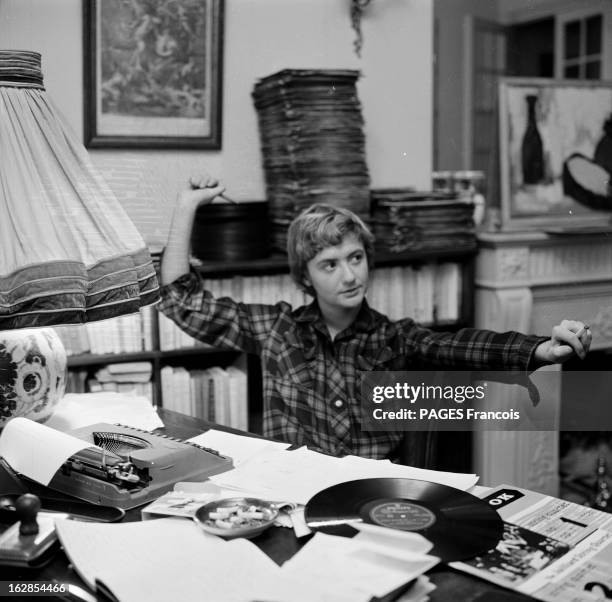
<point>32,373</point>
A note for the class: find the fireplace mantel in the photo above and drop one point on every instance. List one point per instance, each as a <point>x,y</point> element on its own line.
<point>530,281</point>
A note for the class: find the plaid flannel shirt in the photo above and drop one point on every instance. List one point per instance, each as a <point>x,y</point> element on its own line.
<point>311,384</point>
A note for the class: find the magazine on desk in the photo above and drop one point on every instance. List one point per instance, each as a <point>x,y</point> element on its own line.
<point>552,549</point>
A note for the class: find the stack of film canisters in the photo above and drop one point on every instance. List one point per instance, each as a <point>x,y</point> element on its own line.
<point>313,145</point>
<point>231,232</point>
<point>408,220</point>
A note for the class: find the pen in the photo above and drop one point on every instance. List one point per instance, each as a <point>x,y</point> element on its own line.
<point>579,334</point>
<point>582,330</point>
<point>228,199</point>
<point>221,196</point>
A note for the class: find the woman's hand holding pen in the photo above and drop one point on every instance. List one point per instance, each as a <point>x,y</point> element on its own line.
<point>201,190</point>
<point>570,338</point>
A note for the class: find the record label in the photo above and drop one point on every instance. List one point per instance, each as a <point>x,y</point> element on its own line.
<point>458,524</point>
<point>399,514</point>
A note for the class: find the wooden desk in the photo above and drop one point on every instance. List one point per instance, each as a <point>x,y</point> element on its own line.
<point>280,544</point>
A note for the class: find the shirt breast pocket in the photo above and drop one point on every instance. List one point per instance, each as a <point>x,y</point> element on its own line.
<point>384,359</point>
<point>294,394</point>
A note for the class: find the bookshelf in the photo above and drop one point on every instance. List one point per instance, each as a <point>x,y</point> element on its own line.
<point>435,288</point>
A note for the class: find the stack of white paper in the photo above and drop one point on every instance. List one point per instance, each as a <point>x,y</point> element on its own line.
<point>76,410</point>
<point>343,569</point>
<point>238,447</point>
<point>295,476</point>
<point>137,561</point>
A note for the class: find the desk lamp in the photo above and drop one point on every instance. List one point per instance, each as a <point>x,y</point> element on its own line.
<point>69,253</point>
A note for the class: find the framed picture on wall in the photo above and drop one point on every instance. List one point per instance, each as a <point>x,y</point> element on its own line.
<point>153,73</point>
<point>556,154</point>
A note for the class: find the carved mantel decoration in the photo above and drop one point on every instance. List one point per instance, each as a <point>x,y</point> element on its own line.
<point>601,324</point>
<point>513,263</point>
<point>530,281</point>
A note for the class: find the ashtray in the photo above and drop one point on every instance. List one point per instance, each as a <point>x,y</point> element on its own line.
<point>236,516</point>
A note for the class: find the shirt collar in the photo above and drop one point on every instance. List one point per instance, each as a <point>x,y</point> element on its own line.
<point>366,321</point>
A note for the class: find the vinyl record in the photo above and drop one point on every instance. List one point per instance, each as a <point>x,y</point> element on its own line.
<point>458,524</point>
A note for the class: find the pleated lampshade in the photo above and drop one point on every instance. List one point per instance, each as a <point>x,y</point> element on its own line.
<point>69,253</point>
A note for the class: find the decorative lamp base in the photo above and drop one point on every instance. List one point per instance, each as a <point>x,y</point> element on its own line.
<point>32,373</point>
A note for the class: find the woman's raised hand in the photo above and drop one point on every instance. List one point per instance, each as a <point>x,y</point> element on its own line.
<point>201,189</point>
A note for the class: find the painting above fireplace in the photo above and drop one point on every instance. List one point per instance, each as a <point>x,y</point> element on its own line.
<point>556,153</point>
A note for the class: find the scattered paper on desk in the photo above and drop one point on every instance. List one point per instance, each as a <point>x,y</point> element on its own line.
<point>479,490</point>
<point>238,447</point>
<point>300,528</point>
<point>165,559</point>
<point>81,409</point>
<point>184,500</point>
<point>35,450</point>
<point>336,568</point>
<point>419,591</point>
<point>176,503</point>
<point>187,497</point>
<point>393,542</point>
<point>363,468</point>
<point>295,476</point>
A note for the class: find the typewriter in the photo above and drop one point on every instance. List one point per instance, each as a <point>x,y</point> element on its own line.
<point>126,467</point>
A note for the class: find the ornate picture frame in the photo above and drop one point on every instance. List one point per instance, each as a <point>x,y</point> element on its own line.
<point>555,169</point>
<point>153,73</point>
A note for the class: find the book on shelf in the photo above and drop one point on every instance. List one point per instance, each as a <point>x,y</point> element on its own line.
<point>238,410</point>
<point>124,334</point>
<point>129,377</point>
<point>250,290</point>
<point>76,381</point>
<point>123,377</point>
<point>171,378</point>
<point>199,391</point>
<point>447,292</point>
<point>142,389</point>
<point>166,376</point>
<point>148,316</point>
<point>166,335</point>
<point>215,394</point>
<point>172,337</point>
<point>127,372</point>
<point>424,286</point>
<point>220,400</point>
<point>376,295</point>
<point>209,395</point>
<point>428,295</point>
<point>74,338</point>
<point>266,289</point>
<point>195,397</point>
<point>181,390</point>
<point>395,293</point>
